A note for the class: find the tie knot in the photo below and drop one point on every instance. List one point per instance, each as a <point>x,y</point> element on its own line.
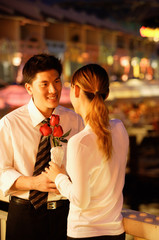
<point>46,120</point>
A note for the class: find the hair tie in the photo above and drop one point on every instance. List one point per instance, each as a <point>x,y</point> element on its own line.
<point>96,93</point>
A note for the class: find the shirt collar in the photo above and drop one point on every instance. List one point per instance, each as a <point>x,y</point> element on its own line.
<point>36,116</point>
<point>87,126</point>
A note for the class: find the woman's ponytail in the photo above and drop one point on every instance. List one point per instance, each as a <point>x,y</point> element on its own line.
<point>94,81</point>
<point>98,119</point>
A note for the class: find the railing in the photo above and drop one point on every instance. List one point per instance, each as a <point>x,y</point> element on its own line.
<point>139,225</point>
<point>3,218</point>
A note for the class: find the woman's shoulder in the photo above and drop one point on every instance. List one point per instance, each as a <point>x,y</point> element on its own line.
<point>118,128</point>
<point>85,137</point>
<point>116,123</point>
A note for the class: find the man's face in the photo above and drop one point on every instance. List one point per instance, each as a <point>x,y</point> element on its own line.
<point>45,91</point>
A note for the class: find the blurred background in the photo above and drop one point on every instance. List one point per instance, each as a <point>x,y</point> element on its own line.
<point>120,35</point>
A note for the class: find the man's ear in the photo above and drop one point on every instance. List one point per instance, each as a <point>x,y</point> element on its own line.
<point>28,87</point>
<point>77,91</point>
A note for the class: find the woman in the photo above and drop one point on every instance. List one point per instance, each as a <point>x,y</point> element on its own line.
<point>96,161</point>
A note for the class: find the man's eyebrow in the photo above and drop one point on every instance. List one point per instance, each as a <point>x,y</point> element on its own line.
<point>57,78</point>
<point>46,80</point>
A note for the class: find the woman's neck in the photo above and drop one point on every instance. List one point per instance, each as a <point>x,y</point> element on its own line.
<point>85,109</point>
<point>83,106</point>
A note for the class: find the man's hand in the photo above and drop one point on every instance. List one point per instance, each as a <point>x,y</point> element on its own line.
<point>44,184</point>
<point>40,183</point>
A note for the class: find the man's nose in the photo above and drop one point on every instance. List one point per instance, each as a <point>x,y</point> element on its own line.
<point>52,88</point>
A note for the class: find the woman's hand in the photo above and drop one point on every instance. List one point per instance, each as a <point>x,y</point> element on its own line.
<point>54,170</point>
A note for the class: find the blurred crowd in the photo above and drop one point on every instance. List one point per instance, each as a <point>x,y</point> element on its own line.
<point>143,114</point>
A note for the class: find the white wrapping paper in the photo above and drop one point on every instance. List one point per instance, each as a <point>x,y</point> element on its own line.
<point>57,155</point>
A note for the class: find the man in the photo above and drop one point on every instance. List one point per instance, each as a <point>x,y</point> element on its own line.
<point>20,137</point>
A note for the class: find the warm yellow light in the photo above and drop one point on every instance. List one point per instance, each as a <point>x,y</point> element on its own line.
<point>156,39</point>
<point>67,67</point>
<point>110,60</point>
<point>67,84</point>
<point>154,64</point>
<point>85,55</point>
<point>134,61</point>
<point>124,77</point>
<point>149,32</point>
<point>136,71</point>
<point>17,59</point>
<point>124,61</point>
<point>141,75</point>
<point>79,59</point>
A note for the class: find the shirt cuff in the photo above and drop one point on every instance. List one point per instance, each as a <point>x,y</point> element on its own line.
<point>59,178</point>
<point>62,183</point>
<point>7,180</point>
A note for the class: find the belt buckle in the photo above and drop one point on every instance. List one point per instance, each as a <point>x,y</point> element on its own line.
<point>51,205</point>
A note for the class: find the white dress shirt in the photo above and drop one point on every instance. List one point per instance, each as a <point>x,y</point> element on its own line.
<point>95,192</point>
<point>20,137</point>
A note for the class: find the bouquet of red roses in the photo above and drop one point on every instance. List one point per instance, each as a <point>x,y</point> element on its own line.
<point>55,132</point>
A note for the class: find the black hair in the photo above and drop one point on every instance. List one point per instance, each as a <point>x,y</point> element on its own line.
<point>40,63</point>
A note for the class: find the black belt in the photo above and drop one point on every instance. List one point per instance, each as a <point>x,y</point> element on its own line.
<point>50,205</point>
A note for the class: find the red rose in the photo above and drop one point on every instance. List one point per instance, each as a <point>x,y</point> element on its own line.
<point>58,131</point>
<point>45,130</point>
<point>54,120</point>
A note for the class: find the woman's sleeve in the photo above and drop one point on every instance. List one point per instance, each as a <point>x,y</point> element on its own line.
<point>77,187</point>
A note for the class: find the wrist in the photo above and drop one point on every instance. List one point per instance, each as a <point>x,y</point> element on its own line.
<point>23,183</point>
<point>32,183</point>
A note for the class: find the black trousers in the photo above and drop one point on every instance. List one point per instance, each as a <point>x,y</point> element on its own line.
<point>116,237</point>
<point>26,223</point>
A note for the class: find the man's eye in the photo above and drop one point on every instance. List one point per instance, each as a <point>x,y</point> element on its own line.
<point>58,80</point>
<point>43,84</point>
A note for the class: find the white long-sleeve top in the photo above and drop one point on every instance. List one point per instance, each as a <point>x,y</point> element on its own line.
<point>19,140</point>
<point>95,189</point>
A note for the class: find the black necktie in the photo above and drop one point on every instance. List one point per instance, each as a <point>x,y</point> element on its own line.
<point>38,198</point>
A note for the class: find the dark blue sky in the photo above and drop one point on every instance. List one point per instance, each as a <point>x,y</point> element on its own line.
<point>145,12</point>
